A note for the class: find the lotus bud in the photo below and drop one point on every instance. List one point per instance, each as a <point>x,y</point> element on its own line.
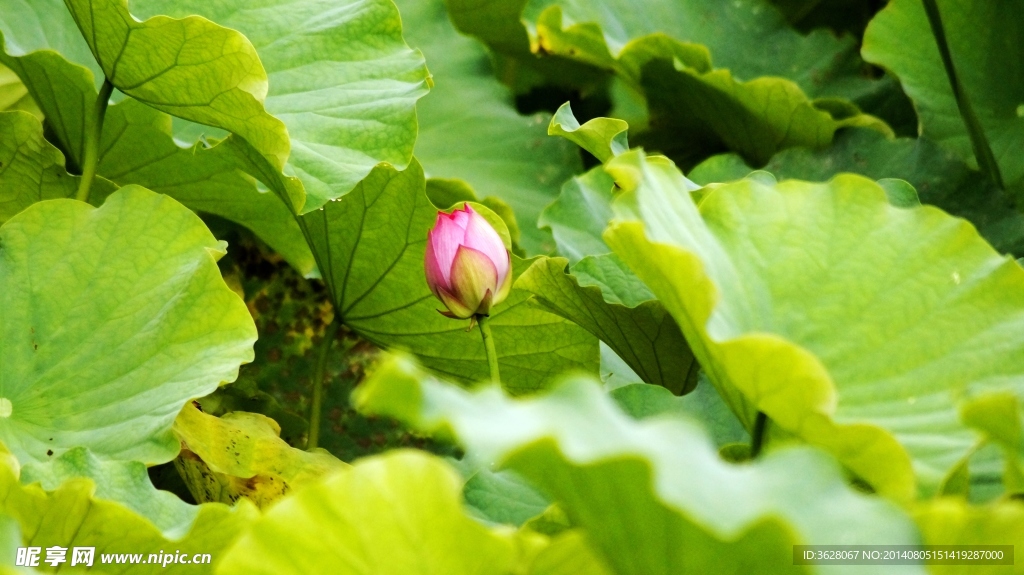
<point>467,265</point>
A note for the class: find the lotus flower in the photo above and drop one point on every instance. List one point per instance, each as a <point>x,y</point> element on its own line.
<point>467,265</point>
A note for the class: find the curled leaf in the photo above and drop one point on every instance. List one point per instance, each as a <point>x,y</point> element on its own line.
<point>241,455</point>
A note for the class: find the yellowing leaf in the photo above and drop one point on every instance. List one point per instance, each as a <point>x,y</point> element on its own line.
<point>241,455</point>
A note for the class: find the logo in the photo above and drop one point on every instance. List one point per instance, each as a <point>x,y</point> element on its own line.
<point>30,556</point>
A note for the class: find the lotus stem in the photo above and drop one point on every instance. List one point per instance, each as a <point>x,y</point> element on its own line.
<point>757,437</point>
<point>492,355</point>
<point>92,141</point>
<point>320,372</point>
<point>979,143</point>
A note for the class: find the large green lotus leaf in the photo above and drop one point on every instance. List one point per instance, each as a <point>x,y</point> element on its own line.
<point>854,324</point>
<point>939,175</point>
<point>756,118</point>
<point>43,45</point>
<point>126,482</point>
<point>470,130</point>
<point>370,247</point>
<point>341,78</point>
<point>638,329</point>
<point>396,514</point>
<point>686,95</point>
<point>242,455</point>
<point>985,42</point>
<point>111,319</point>
<point>137,148</point>
<point>76,514</point>
<point>703,404</point>
<point>951,521</point>
<point>57,68</point>
<point>750,37</point>
<point>661,50</point>
<point>31,169</point>
<point>652,496</point>
<point>189,67</point>
<point>580,215</point>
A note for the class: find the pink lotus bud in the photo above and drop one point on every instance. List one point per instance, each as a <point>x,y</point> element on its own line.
<point>467,265</point>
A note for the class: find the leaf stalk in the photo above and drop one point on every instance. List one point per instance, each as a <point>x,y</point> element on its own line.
<point>92,141</point>
<point>979,143</point>
<point>757,437</point>
<point>320,372</point>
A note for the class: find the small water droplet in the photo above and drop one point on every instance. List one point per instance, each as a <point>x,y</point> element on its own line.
<point>911,400</point>
<point>1020,111</point>
<point>956,278</point>
<point>6,407</point>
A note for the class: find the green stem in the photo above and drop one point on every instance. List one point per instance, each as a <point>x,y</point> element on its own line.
<point>979,143</point>
<point>92,141</point>
<point>318,385</point>
<point>757,437</point>
<point>492,355</point>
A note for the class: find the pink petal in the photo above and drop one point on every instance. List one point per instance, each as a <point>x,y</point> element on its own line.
<point>481,236</point>
<point>504,286</point>
<point>461,217</point>
<point>445,239</point>
<point>434,273</point>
